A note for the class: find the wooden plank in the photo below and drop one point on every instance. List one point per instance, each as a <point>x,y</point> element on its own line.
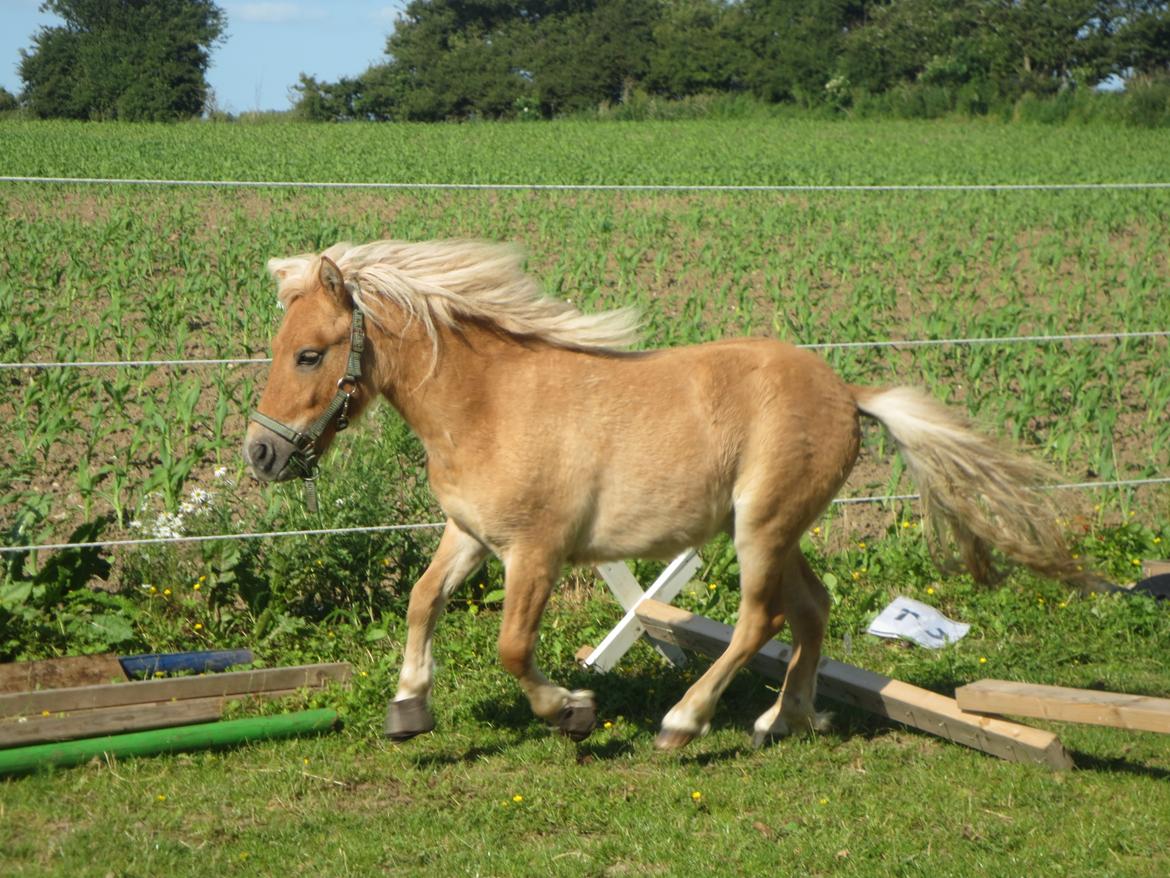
<point>893,699</point>
<point>175,688</point>
<point>1154,568</point>
<point>1139,712</point>
<point>60,673</point>
<point>21,731</point>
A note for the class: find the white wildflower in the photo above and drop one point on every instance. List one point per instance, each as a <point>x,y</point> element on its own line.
<point>168,526</point>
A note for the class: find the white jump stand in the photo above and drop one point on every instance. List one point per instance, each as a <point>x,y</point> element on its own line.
<point>626,589</point>
<point>931,712</point>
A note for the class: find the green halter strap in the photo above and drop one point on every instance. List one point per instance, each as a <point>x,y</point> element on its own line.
<point>303,460</point>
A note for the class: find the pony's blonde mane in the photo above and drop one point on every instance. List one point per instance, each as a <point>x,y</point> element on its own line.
<point>441,283</point>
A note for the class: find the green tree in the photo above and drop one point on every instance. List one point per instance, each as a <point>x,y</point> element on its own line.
<point>578,59</point>
<point>909,41</point>
<point>8,101</point>
<point>1010,47</point>
<point>698,47</point>
<point>327,101</point>
<point>795,44</point>
<point>1044,46</point>
<point>464,58</point>
<point>1142,45</point>
<point>122,59</point>
<point>454,59</point>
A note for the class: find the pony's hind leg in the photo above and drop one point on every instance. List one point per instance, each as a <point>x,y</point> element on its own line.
<point>458,555</point>
<point>528,580</point>
<point>805,603</point>
<point>761,613</point>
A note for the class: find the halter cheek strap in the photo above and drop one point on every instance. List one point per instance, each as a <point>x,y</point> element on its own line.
<point>303,459</point>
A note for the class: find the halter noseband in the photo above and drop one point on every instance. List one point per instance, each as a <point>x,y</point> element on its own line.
<point>303,459</point>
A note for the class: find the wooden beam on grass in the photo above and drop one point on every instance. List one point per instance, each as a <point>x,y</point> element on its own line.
<point>172,689</point>
<point>1154,568</point>
<point>893,699</point>
<point>22,731</point>
<point>1135,712</point>
<point>59,673</point>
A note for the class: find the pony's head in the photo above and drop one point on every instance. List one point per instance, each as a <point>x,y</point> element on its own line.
<point>314,385</point>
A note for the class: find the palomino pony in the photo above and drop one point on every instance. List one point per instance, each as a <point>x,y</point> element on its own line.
<point>547,445</point>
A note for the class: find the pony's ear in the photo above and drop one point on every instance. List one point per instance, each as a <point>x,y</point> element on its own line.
<point>330,276</point>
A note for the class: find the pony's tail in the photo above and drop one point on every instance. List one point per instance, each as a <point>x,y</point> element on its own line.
<point>977,495</point>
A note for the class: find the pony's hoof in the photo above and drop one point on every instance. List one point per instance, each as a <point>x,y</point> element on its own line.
<point>781,728</point>
<point>578,717</point>
<point>407,718</point>
<point>761,739</point>
<point>673,739</point>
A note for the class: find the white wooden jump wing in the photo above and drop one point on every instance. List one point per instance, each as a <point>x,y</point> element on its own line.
<point>625,588</point>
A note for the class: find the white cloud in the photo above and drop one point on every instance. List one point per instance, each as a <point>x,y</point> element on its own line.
<point>275,13</point>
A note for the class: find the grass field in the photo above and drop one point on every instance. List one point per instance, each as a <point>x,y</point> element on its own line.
<point>100,272</point>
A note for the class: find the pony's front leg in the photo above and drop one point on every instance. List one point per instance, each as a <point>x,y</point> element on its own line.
<point>458,555</point>
<point>528,581</point>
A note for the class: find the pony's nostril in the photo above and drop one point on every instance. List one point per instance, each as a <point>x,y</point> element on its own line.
<point>262,454</point>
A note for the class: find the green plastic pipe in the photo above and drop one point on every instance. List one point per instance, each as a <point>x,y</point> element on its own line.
<point>197,737</point>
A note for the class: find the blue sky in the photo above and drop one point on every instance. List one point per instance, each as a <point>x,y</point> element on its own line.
<point>268,44</point>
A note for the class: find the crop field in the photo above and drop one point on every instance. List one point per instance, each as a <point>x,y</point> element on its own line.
<point>102,272</point>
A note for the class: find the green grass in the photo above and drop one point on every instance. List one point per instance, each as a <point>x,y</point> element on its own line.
<point>743,151</point>
<point>863,799</point>
<point>107,273</point>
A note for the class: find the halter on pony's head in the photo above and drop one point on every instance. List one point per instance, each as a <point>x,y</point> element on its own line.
<point>303,459</point>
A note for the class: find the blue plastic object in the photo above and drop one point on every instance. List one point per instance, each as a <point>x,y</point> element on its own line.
<point>143,667</point>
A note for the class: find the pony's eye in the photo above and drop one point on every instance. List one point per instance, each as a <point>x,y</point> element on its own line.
<point>308,358</point>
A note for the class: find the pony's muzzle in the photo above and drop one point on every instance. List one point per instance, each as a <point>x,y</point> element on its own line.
<point>267,454</point>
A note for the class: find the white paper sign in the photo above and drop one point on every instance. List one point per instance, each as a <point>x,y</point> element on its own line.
<point>916,621</point>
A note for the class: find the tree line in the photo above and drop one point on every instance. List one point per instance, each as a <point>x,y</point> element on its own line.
<point>121,59</point>
<point>459,59</point>
<point>506,58</point>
